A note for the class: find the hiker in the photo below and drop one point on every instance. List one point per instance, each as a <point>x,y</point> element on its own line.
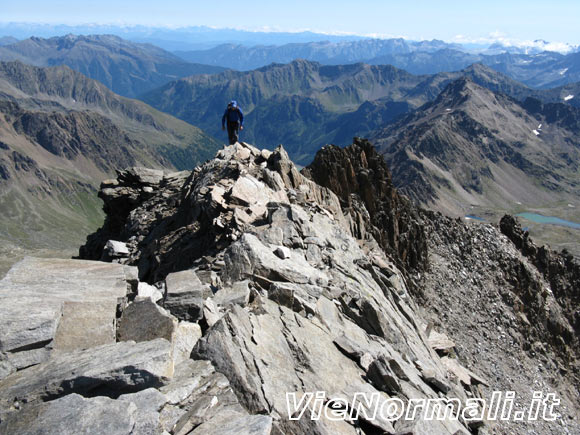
<point>235,119</point>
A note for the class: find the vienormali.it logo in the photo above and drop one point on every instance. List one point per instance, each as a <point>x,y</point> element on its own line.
<point>374,406</point>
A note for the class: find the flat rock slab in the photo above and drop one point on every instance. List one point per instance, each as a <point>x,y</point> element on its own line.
<point>85,324</point>
<point>111,369</point>
<point>231,424</point>
<point>62,304</point>
<point>73,415</point>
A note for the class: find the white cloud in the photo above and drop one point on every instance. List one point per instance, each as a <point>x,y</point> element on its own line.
<point>501,38</point>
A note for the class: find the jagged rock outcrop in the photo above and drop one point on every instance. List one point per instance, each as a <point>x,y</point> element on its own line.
<point>361,179</point>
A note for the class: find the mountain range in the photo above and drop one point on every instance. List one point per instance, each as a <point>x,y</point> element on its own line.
<point>474,150</point>
<point>61,133</point>
<point>306,105</point>
<point>244,57</point>
<point>127,68</point>
<point>535,69</point>
<point>171,38</point>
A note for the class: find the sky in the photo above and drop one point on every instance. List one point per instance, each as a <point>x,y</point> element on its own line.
<point>449,20</point>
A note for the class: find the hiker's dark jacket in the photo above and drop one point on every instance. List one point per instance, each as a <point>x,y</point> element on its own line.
<point>233,116</point>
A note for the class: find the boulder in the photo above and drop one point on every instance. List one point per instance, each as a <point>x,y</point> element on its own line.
<point>249,257</point>
<point>64,305</point>
<point>185,294</point>
<point>6,367</point>
<point>110,370</point>
<point>196,394</point>
<point>71,415</point>
<point>236,294</point>
<point>114,249</point>
<point>148,291</point>
<point>140,175</point>
<point>440,342</point>
<point>144,320</point>
<point>380,374</point>
<point>211,313</point>
<point>149,403</point>
<point>85,324</point>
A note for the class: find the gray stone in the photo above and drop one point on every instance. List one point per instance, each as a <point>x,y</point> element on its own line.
<point>294,297</point>
<point>265,154</point>
<point>148,291</point>
<point>72,415</point>
<point>380,374</point>
<point>431,377</point>
<point>27,323</point>
<point>151,400</point>
<point>440,342</point>
<point>248,190</point>
<point>144,320</point>
<point>249,257</point>
<point>282,252</point>
<point>184,339</point>
<point>23,359</point>
<point>185,294</point>
<point>211,312</point>
<point>118,367</point>
<point>461,373</point>
<point>6,367</point>
<point>196,394</point>
<point>132,277</point>
<point>142,175</point>
<point>86,324</point>
<point>61,304</point>
<point>236,294</point>
<point>305,359</point>
<point>148,402</point>
<point>116,249</point>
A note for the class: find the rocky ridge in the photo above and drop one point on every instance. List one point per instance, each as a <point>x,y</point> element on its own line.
<point>237,283</point>
<point>287,300</point>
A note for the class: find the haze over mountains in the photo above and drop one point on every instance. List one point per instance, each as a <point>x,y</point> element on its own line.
<point>171,38</point>
<point>542,70</point>
<point>61,134</point>
<point>126,68</point>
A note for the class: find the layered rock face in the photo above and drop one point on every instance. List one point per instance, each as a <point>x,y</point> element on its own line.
<point>237,292</point>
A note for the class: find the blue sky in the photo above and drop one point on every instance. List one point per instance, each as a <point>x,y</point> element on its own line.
<point>415,19</point>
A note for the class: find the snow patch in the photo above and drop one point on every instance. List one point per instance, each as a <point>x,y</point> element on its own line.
<point>569,97</point>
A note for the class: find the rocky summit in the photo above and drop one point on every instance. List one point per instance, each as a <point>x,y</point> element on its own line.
<point>247,297</point>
